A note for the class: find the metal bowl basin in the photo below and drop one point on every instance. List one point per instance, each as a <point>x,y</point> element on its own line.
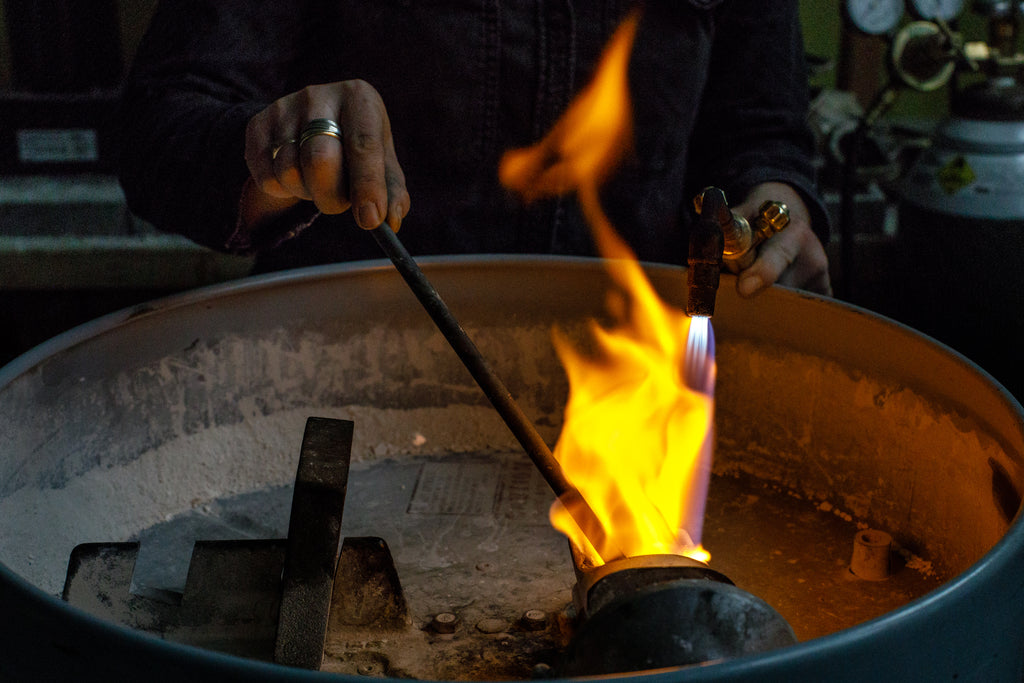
<point>830,402</point>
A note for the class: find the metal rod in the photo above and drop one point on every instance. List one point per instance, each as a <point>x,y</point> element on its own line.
<point>486,378</point>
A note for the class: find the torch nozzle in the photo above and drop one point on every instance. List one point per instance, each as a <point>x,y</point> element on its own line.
<point>704,260</point>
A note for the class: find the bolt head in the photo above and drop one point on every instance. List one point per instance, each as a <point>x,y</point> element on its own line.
<point>535,620</point>
<point>445,622</point>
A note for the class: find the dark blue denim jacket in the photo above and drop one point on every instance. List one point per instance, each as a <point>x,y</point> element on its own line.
<point>719,93</point>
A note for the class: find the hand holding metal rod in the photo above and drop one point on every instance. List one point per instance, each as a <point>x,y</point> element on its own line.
<point>490,383</point>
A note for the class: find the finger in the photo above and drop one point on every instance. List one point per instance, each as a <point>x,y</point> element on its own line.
<point>259,142</point>
<point>398,194</point>
<point>809,270</point>
<point>794,259</point>
<point>287,172</point>
<point>774,257</point>
<point>273,152</point>
<point>321,168</point>
<point>366,141</point>
<point>820,283</point>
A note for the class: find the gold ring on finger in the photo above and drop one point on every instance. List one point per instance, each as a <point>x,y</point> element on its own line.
<point>319,127</point>
<point>277,148</point>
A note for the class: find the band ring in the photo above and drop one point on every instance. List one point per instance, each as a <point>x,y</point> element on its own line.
<point>277,148</point>
<point>319,127</point>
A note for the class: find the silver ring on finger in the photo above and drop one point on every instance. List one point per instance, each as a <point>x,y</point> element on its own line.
<point>319,127</point>
<point>277,148</point>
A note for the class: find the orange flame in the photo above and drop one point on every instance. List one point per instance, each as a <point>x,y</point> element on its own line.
<point>590,138</point>
<point>636,440</point>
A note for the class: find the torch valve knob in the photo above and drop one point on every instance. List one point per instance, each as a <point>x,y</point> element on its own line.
<point>772,217</point>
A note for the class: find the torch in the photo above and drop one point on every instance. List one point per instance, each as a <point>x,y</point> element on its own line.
<point>721,236</point>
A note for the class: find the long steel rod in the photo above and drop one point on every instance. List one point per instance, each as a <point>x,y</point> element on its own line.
<point>488,380</point>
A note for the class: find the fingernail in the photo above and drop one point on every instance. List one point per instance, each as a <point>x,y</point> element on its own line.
<point>395,216</point>
<point>750,285</point>
<point>367,215</point>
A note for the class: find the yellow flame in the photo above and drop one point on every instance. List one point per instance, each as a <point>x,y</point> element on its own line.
<point>589,139</point>
<point>636,440</point>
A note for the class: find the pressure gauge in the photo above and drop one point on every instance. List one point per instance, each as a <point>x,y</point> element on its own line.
<point>874,17</point>
<point>947,10</point>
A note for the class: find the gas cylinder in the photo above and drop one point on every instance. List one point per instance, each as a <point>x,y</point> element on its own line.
<point>961,231</point>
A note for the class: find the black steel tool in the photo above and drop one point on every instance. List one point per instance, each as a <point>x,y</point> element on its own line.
<point>490,383</point>
<point>314,542</point>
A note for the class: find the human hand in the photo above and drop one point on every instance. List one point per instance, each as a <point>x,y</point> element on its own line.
<point>792,257</point>
<point>358,169</point>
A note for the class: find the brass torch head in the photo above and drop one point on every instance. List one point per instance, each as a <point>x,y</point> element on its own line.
<point>723,236</point>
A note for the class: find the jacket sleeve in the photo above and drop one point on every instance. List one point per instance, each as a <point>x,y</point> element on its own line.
<point>752,124</point>
<point>204,68</point>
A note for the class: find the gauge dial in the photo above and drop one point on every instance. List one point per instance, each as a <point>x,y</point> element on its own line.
<point>874,16</point>
<point>947,10</point>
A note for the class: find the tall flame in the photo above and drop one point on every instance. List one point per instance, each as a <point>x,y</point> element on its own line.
<point>636,440</point>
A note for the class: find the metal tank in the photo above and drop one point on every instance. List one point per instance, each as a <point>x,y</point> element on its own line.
<point>961,220</point>
<point>164,409</point>
<point>961,231</point>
